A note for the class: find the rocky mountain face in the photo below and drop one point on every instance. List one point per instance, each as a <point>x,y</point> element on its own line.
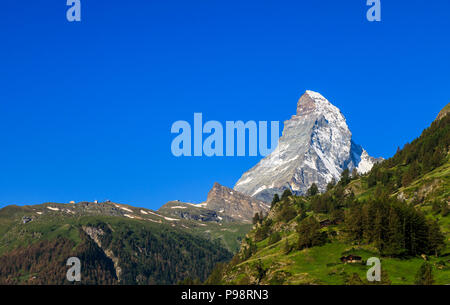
<point>222,205</point>
<point>315,147</point>
<point>233,203</point>
<point>194,212</point>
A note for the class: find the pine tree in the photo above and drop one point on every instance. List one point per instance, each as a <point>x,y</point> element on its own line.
<point>436,240</point>
<point>345,177</point>
<point>303,214</point>
<point>256,218</point>
<point>286,247</point>
<point>354,224</point>
<point>309,234</point>
<point>337,216</point>
<point>260,271</point>
<point>378,229</point>
<point>286,194</point>
<point>275,200</point>
<point>425,275</point>
<point>331,184</point>
<point>355,173</point>
<point>395,243</point>
<point>313,190</point>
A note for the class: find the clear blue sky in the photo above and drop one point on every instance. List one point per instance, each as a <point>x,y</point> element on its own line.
<point>86,108</point>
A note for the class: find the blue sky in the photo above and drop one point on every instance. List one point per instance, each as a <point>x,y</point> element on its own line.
<point>86,108</point>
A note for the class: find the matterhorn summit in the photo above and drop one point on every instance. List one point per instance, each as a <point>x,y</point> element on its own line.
<point>315,147</point>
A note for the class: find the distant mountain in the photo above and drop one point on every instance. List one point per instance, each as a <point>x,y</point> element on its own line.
<point>316,146</point>
<point>223,204</point>
<point>196,212</point>
<point>239,206</point>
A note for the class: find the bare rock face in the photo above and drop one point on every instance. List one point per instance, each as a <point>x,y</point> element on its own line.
<point>443,112</point>
<point>222,205</point>
<point>315,147</point>
<point>236,205</point>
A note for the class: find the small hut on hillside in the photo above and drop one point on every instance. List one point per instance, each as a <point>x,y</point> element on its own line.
<point>351,259</point>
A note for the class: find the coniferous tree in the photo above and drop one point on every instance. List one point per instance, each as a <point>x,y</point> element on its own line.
<point>309,234</point>
<point>436,240</point>
<point>331,184</point>
<point>337,216</point>
<point>396,229</point>
<point>286,247</point>
<point>378,229</point>
<point>354,223</point>
<point>395,236</point>
<point>286,194</point>
<point>256,218</point>
<point>313,190</point>
<point>273,238</point>
<point>425,275</point>
<point>355,173</point>
<point>260,271</point>
<point>345,177</point>
<point>275,200</point>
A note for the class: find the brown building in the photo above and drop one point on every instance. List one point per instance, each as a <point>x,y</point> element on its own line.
<point>351,259</point>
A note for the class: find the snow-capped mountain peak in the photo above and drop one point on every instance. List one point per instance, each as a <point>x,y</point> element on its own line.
<point>316,146</point>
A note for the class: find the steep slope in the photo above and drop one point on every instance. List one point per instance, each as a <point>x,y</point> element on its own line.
<point>419,172</point>
<point>315,147</point>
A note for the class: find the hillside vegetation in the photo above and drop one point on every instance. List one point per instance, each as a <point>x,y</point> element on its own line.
<point>112,249</point>
<point>398,212</point>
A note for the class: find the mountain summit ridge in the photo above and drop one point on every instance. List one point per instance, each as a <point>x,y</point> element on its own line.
<point>234,204</point>
<point>315,147</point>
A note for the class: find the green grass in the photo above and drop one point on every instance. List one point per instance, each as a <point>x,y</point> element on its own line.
<point>322,265</point>
<point>227,233</point>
